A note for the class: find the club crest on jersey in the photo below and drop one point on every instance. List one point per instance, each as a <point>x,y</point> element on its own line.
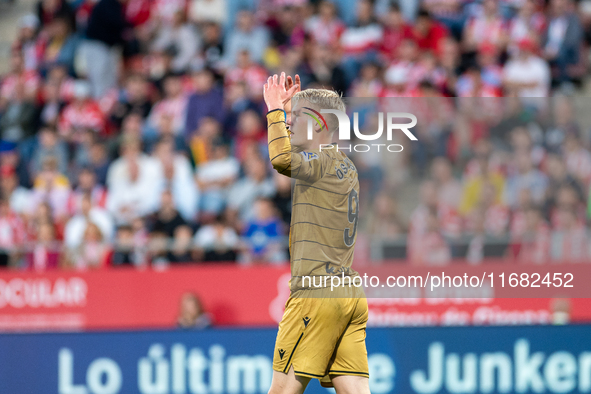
<point>309,156</point>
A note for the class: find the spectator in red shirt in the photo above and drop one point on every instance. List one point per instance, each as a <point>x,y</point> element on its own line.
<point>81,115</point>
<point>251,132</point>
<point>428,32</point>
<point>395,30</point>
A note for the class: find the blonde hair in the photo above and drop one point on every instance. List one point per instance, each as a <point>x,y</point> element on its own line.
<point>324,99</point>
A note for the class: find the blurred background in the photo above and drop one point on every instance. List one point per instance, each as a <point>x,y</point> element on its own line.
<point>141,218</point>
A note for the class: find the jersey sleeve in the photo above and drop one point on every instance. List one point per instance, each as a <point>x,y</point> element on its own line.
<point>307,166</point>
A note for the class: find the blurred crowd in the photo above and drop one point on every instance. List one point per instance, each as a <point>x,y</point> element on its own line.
<point>133,132</point>
<point>511,182</point>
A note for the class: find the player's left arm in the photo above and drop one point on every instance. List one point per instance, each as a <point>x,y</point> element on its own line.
<point>307,166</point>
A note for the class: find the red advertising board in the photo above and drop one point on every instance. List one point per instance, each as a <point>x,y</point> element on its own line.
<point>247,296</point>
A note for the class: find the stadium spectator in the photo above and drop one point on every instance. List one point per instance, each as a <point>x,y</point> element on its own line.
<point>428,33</point>
<point>526,74</point>
<point>59,44</point>
<point>578,159</point>
<point>178,177</point>
<point>27,40</point>
<point>88,214</point>
<point>567,198</point>
<point>448,12</point>
<point>180,38</point>
<point>47,10</point>
<point>529,23</point>
<point>247,70</point>
<point>215,178</point>
<point>99,162</point>
<point>559,177</point>
<point>490,209</point>
<point>384,219</point>
<point>52,186</point>
<point>250,135</point>
<point>167,219</point>
<point>561,311</point>
<point>241,197</point>
<point>203,140</point>
<point>206,101</point>
<point>434,249</point>
<point>191,313</point>
<point>216,242</point>
<point>562,38</point>
<point>87,184</point>
<point>158,246</point>
<point>369,83</point>
<point>125,251</point>
<point>534,242</point>
<point>518,214</point>
<point>19,118</point>
<point>52,105</point>
<point>282,197</point>
<point>16,195</point>
<point>449,189</point>
<point>569,241</point>
<point>395,30</point>
<point>49,146</point>
<point>321,68</point>
<point>359,43</point>
<point>45,253</point>
<point>473,185</point>
<point>172,108</point>
<point>527,177</point>
<point>262,236</point>
<point>105,31</point>
<point>326,27</point>
<point>133,99</point>
<point>182,245</point>
<point>12,235</point>
<point>213,45</point>
<point>134,184</point>
<point>93,252</point>
<point>447,222</point>
<point>489,27</point>
<point>247,36</point>
<point>18,75</point>
<point>82,114</point>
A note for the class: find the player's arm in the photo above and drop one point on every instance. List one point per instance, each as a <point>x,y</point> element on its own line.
<point>307,166</point>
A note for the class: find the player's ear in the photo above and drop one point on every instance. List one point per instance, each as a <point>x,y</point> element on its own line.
<point>317,128</point>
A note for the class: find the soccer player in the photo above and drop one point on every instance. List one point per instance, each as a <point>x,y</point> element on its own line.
<point>322,333</point>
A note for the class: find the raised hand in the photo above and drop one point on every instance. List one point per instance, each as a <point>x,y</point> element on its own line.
<point>275,92</point>
<point>289,83</point>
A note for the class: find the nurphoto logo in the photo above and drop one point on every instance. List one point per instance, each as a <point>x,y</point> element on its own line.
<point>393,122</point>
